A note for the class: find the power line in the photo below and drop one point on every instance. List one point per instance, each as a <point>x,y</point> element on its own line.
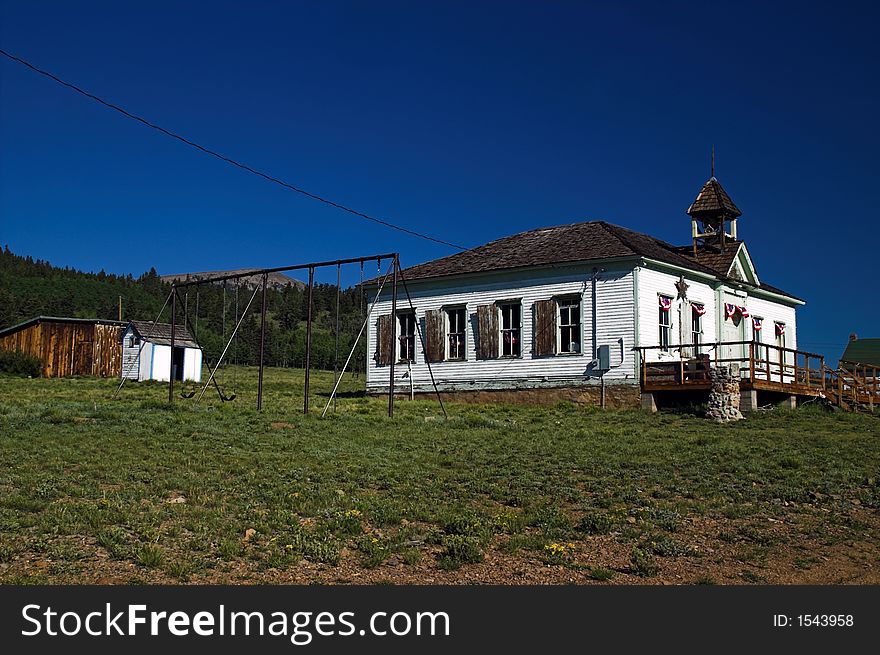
<point>224,158</point>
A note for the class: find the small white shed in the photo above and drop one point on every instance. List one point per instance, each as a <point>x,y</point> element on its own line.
<point>146,353</point>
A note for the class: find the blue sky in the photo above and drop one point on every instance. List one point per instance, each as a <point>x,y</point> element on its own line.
<point>468,121</point>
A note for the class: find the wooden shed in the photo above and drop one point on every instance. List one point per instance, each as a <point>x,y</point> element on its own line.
<point>69,346</point>
<point>147,353</point>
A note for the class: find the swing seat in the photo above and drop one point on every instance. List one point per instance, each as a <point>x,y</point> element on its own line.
<point>187,394</point>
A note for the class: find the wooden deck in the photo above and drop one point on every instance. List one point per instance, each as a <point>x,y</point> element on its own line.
<point>762,366</point>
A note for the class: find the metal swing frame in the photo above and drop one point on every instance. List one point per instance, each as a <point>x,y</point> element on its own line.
<point>264,273</point>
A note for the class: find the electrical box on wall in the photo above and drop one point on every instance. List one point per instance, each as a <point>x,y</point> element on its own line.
<point>603,355</point>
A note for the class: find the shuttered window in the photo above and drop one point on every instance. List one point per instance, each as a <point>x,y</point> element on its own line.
<point>511,329</point>
<point>487,332</point>
<point>406,337</point>
<point>456,320</point>
<point>545,328</point>
<point>569,325</point>
<point>384,340</point>
<point>434,335</point>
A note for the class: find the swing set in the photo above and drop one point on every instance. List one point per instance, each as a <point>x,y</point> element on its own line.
<point>392,274</point>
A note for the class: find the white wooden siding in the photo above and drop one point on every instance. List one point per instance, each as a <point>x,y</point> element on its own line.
<point>192,363</point>
<point>654,283</point>
<point>771,312</point>
<point>614,293</point>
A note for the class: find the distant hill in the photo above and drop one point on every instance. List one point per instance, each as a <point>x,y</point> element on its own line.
<point>276,280</point>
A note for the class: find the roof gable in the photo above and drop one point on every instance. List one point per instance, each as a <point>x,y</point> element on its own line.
<point>743,263</point>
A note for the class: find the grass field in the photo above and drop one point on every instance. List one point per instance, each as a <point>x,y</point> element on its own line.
<point>135,491</point>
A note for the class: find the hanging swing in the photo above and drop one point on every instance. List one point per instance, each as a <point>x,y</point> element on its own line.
<point>336,348</point>
<point>362,298</point>
<point>194,388</point>
<point>220,393</point>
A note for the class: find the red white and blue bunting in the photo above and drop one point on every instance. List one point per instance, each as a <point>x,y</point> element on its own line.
<point>780,328</point>
<point>699,308</point>
<point>731,310</point>
<point>665,302</point>
<point>757,323</point>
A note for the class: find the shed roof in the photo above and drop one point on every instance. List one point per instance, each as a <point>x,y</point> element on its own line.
<point>58,319</point>
<point>160,333</point>
<point>863,351</point>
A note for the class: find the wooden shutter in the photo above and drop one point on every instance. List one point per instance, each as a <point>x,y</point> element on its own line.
<point>487,332</point>
<point>545,328</point>
<point>384,340</point>
<point>435,336</point>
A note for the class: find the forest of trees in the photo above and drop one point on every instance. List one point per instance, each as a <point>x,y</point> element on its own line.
<point>30,288</point>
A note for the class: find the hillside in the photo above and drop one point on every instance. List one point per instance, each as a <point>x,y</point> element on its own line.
<point>275,280</point>
<point>31,287</point>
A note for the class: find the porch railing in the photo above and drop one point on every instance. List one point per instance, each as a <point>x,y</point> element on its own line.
<point>759,363</point>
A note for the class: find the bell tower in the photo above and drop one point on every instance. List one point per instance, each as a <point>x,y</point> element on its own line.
<point>713,216</point>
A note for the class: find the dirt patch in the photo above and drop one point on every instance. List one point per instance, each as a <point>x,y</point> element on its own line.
<point>778,554</point>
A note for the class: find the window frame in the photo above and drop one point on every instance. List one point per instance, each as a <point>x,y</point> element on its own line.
<point>697,322</point>
<point>762,352</point>
<point>448,333</point>
<point>665,329</point>
<point>399,336</point>
<point>780,336</point>
<point>569,301</point>
<point>501,305</point>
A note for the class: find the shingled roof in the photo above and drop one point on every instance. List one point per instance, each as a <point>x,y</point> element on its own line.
<point>712,256</point>
<point>713,200</point>
<point>160,333</point>
<point>549,245</point>
<point>576,242</point>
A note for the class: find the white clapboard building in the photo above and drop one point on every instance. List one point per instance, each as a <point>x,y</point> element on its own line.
<point>586,305</point>
<point>147,354</point>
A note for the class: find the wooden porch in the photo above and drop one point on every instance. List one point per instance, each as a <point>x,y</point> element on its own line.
<point>852,386</point>
<point>763,367</point>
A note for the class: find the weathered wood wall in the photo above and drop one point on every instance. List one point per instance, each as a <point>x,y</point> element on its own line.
<point>70,348</point>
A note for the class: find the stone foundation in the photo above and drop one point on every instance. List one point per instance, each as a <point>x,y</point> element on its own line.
<point>617,396</point>
<point>724,398</point>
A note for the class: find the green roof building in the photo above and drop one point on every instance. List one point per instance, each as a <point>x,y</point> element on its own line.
<point>863,351</point>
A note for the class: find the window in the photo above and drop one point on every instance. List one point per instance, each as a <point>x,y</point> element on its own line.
<point>456,319</point>
<point>762,353</point>
<point>406,337</point>
<point>511,329</point>
<point>780,334</point>
<point>569,325</point>
<point>133,341</point>
<point>697,311</point>
<point>665,321</point>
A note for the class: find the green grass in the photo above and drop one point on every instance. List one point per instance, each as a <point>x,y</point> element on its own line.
<point>99,477</point>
